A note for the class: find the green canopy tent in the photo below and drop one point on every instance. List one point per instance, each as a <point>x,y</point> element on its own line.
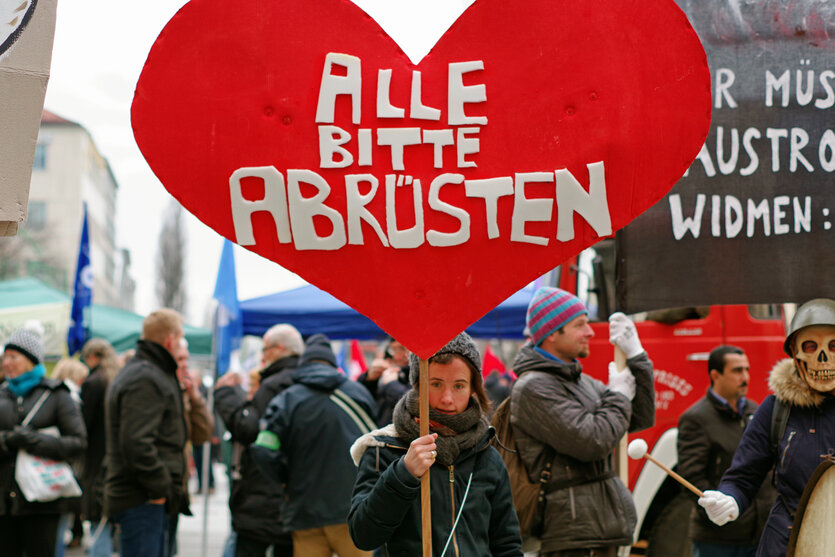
<point>122,328</point>
<point>26,299</point>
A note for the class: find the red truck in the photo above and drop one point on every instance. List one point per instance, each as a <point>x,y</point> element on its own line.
<point>679,348</point>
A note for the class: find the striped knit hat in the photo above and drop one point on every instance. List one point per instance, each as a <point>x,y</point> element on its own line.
<point>550,309</point>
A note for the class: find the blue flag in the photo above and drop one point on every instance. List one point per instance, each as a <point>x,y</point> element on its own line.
<point>342,359</point>
<point>82,292</point>
<point>228,328</point>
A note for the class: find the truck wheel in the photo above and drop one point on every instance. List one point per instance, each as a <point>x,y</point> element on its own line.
<point>669,536</point>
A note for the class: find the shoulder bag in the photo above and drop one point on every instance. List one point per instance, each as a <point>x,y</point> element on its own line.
<point>42,479</point>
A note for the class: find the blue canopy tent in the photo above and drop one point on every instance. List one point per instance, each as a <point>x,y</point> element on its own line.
<point>312,310</point>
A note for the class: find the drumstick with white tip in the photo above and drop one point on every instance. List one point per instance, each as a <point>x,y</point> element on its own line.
<point>637,449</point>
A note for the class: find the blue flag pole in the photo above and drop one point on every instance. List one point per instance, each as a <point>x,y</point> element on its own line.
<point>82,292</point>
<point>228,328</point>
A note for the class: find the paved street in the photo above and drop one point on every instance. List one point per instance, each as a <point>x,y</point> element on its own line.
<point>191,527</point>
<point>190,534</point>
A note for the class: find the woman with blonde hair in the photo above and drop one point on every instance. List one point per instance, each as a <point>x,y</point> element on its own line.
<point>99,355</point>
<point>72,372</point>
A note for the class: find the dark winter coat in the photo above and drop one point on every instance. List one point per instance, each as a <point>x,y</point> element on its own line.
<point>254,501</point>
<point>146,433</point>
<point>315,435</point>
<point>809,433</point>
<point>93,391</point>
<point>386,396</point>
<point>555,404</point>
<point>708,435</point>
<point>58,409</point>
<point>386,511</point>
<point>200,429</point>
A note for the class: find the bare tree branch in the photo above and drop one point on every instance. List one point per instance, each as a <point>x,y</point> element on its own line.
<point>170,285</point>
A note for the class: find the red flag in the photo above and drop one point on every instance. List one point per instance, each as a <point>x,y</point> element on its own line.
<point>491,362</point>
<point>358,365</point>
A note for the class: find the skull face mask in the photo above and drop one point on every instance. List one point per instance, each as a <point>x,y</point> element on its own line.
<point>814,356</point>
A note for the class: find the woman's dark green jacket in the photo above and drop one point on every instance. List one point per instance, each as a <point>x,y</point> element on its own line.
<point>385,505</point>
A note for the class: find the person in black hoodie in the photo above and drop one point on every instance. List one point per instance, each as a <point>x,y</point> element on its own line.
<point>31,528</point>
<point>307,431</point>
<point>254,502</point>
<point>146,440</point>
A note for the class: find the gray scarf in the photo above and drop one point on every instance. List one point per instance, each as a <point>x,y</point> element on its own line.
<point>456,433</point>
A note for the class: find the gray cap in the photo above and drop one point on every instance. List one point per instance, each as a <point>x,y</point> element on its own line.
<point>28,343</point>
<point>462,345</point>
<point>820,311</point>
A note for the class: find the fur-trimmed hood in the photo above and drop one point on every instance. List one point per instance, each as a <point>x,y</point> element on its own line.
<point>789,387</point>
<point>369,440</point>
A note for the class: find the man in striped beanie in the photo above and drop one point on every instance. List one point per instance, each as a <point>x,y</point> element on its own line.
<point>550,309</point>
<point>560,411</point>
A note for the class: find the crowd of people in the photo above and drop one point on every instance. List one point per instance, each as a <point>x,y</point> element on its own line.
<point>324,465</point>
<point>121,422</point>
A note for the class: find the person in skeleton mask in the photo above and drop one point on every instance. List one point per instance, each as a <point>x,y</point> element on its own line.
<point>804,391</point>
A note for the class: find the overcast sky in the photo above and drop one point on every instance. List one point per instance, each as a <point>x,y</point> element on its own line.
<point>100,48</point>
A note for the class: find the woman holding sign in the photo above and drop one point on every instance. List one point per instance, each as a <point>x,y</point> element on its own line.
<point>472,507</point>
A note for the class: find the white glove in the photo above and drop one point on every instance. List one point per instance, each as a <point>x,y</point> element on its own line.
<point>720,508</point>
<point>622,333</point>
<point>622,381</point>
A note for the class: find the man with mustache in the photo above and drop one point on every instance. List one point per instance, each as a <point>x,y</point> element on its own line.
<point>708,435</point>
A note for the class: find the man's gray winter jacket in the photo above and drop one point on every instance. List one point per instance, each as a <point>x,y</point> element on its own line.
<point>554,403</point>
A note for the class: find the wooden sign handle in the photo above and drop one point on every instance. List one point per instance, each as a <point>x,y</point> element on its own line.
<point>621,460</point>
<point>425,493</point>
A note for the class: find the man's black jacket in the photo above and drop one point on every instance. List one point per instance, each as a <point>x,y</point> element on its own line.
<point>708,434</point>
<point>254,501</point>
<point>146,433</point>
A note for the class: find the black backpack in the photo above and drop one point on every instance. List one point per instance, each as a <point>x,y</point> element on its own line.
<point>779,418</point>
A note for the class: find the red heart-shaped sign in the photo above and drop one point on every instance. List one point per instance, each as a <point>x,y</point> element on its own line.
<point>424,195</point>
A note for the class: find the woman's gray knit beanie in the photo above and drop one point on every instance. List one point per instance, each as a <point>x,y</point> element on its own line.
<point>462,344</point>
<point>28,343</point>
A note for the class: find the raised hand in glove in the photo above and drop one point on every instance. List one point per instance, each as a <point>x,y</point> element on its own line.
<point>622,381</point>
<point>720,508</point>
<point>22,437</point>
<point>622,333</point>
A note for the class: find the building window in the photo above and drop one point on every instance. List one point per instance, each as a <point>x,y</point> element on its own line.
<point>36,220</point>
<point>40,157</point>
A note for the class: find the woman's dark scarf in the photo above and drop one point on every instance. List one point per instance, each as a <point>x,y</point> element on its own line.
<point>456,433</point>
<point>25,382</point>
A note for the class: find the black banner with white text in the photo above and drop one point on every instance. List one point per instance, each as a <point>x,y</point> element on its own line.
<point>751,220</point>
